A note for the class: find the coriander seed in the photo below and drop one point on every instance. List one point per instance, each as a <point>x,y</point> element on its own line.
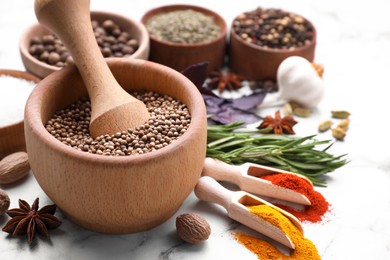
<point>71,127</point>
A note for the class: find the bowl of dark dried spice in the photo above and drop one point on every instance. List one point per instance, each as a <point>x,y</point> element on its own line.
<point>132,180</point>
<point>182,35</point>
<point>262,38</point>
<point>117,36</point>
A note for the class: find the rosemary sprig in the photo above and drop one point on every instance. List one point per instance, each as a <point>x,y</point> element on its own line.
<point>299,155</point>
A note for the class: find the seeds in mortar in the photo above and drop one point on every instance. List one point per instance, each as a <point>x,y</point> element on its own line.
<point>273,28</point>
<point>169,119</point>
<point>112,41</point>
<point>183,26</point>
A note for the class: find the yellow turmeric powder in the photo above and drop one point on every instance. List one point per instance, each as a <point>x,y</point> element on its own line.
<point>304,248</point>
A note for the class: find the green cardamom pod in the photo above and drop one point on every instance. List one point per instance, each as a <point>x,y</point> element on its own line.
<point>325,125</point>
<point>339,133</point>
<point>341,114</point>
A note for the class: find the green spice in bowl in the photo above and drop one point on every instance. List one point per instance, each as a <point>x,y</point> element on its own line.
<point>182,35</point>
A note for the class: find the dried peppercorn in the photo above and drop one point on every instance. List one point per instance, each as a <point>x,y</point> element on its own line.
<point>273,28</point>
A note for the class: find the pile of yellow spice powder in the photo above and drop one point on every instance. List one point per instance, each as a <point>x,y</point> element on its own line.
<point>304,248</point>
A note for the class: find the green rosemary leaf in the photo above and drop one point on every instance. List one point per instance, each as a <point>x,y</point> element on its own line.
<point>231,144</point>
<point>220,141</point>
<point>296,142</point>
<point>307,166</point>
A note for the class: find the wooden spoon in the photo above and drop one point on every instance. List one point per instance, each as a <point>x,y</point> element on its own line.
<point>247,177</point>
<point>113,109</point>
<point>236,202</point>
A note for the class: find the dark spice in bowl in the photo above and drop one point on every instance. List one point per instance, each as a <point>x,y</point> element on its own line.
<point>262,38</point>
<point>112,40</point>
<point>273,28</point>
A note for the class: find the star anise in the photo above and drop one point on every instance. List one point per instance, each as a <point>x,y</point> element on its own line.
<point>26,219</point>
<point>222,80</point>
<point>278,124</point>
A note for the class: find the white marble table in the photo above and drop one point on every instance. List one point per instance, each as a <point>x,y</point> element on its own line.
<point>354,46</point>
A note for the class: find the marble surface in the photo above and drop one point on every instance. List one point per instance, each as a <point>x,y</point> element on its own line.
<point>353,45</point>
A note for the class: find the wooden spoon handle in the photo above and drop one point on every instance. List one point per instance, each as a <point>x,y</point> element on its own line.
<point>221,171</point>
<point>207,189</point>
<point>70,21</point>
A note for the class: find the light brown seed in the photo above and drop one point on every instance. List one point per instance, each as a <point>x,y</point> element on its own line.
<point>344,124</point>
<point>339,133</point>
<point>325,125</point>
<point>341,114</point>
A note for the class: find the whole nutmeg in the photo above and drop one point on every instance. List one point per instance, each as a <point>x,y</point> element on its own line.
<point>14,167</point>
<point>192,228</point>
<point>4,202</point>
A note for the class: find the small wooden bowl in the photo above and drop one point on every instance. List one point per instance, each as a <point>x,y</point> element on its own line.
<point>12,136</point>
<point>254,62</point>
<point>41,69</point>
<point>179,56</point>
<point>116,194</point>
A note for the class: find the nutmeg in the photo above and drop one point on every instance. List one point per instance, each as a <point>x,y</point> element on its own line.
<point>4,202</point>
<point>192,228</point>
<point>14,167</point>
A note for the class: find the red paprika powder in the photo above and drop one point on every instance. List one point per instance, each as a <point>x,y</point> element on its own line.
<point>319,206</point>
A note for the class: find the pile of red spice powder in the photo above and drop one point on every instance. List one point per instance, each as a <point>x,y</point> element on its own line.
<point>319,206</point>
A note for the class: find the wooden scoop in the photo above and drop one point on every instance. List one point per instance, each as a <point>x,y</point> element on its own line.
<point>113,109</point>
<point>247,177</point>
<point>236,202</point>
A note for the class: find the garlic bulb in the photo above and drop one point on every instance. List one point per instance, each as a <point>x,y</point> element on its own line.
<point>298,81</point>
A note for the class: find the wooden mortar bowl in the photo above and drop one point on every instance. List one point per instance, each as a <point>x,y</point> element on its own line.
<point>116,194</point>
<point>41,69</point>
<point>254,62</point>
<point>179,56</point>
<point>12,136</point>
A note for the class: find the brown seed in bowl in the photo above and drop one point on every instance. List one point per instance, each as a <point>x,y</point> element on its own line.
<point>4,202</point>
<point>192,228</point>
<point>109,36</point>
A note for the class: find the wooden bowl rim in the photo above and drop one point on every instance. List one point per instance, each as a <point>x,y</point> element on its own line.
<point>274,50</point>
<point>175,7</point>
<point>143,45</point>
<point>22,75</point>
<point>33,115</point>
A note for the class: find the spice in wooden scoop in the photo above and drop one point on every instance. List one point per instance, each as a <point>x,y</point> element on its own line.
<point>304,248</point>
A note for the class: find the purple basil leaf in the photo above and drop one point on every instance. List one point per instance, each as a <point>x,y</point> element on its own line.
<point>197,73</point>
<point>213,100</point>
<point>229,114</point>
<point>249,102</point>
<point>213,103</point>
